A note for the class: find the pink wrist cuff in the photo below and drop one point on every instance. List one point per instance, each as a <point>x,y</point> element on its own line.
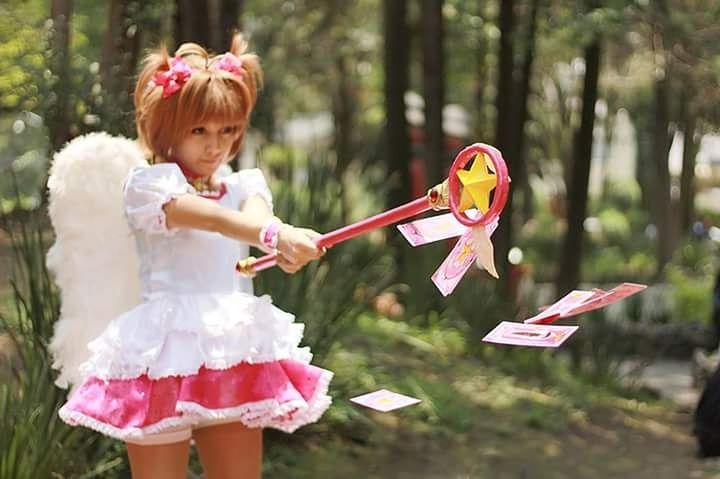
<point>270,233</point>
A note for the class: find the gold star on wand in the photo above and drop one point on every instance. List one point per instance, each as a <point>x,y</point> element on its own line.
<point>477,184</point>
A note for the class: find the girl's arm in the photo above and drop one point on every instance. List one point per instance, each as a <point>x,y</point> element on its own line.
<point>257,207</point>
<point>189,211</point>
<point>295,246</point>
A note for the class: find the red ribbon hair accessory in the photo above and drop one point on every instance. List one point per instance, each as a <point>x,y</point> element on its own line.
<point>172,80</point>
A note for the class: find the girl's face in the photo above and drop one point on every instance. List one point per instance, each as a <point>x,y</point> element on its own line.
<point>206,147</point>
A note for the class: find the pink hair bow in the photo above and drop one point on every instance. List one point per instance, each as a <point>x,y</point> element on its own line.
<point>229,63</point>
<point>173,79</point>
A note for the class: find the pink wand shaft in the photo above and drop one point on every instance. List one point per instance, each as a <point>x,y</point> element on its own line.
<point>345,233</point>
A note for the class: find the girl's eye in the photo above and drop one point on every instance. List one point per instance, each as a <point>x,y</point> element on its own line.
<point>229,130</point>
<point>198,131</point>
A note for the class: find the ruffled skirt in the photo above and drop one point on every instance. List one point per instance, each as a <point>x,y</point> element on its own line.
<point>186,359</point>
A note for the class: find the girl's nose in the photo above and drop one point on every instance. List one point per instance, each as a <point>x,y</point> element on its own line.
<point>214,144</point>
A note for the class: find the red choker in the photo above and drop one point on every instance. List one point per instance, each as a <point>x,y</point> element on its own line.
<point>202,186</point>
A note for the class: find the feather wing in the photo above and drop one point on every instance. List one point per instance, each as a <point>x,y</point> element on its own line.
<point>93,258</point>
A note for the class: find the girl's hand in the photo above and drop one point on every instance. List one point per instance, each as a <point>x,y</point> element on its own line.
<point>296,248</point>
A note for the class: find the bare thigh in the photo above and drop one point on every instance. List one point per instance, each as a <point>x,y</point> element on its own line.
<point>229,451</point>
<point>164,461</point>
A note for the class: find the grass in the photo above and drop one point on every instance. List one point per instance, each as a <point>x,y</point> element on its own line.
<point>507,413</point>
<point>34,442</point>
<point>6,300</point>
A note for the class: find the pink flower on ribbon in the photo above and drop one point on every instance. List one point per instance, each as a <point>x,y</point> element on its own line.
<point>173,79</point>
<point>229,63</point>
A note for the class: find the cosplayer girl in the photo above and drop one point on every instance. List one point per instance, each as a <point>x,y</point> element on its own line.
<point>187,352</point>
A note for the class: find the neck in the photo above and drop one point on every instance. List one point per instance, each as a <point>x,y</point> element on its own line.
<point>190,174</point>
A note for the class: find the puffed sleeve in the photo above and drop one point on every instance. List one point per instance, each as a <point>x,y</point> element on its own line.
<point>249,183</point>
<point>147,190</point>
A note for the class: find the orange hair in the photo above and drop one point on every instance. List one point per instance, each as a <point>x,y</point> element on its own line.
<point>209,94</point>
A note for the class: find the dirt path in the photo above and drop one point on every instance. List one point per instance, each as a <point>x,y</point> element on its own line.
<point>641,444</point>
<point>632,440</point>
<point>608,444</point>
<point>672,379</point>
<point>617,440</point>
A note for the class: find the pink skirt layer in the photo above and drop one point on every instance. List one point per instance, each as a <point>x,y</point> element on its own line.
<point>284,394</point>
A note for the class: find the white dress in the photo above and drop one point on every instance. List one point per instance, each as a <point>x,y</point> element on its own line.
<point>200,345</point>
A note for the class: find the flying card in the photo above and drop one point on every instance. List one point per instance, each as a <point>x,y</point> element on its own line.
<point>535,335</point>
<point>560,308</point>
<point>619,292</point>
<point>577,302</point>
<point>451,271</point>
<point>431,229</point>
<point>384,400</point>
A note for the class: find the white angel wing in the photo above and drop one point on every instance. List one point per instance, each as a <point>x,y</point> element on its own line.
<point>93,257</point>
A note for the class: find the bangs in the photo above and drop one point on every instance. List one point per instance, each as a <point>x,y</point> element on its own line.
<point>209,97</point>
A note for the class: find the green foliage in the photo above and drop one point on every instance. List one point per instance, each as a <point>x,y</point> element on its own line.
<point>21,54</point>
<point>604,265</point>
<point>696,257</point>
<point>24,169</point>
<point>415,288</point>
<point>327,295</point>
<point>539,240</point>
<point>623,195</point>
<point>615,225</point>
<point>34,442</point>
<point>692,298</point>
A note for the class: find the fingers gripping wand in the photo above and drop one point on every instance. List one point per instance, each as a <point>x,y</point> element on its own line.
<point>460,192</point>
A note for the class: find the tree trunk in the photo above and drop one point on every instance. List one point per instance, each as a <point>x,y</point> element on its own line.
<point>343,113</point>
<point>570,263</point>
<point>223,21</point>
<point>396,66</point>
<point>687,177</point>
<point>433,89</point>
<point>58,114</point>
<point>344,107</point>
<point>661,141</point>
<point>192,22</point>
<point>111,41</point>
<point>482,122</point>
<point>660,156</point>
<point>569,273</point>
<point>210,23</point>
<point>214,28</point>
<point>230,21</point>
<point>130,53</point>
<point>121,52</point>
<point>521,176</point>
<point>504,128</point>
<point>643,118</point>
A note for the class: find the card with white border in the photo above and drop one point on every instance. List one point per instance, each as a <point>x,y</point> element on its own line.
<point>534,335</point>
<point>560,308</point>
<point>384,400</point>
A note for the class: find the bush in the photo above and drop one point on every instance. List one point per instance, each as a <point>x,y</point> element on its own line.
<point>327,295</point>
<point>615,225</point>
<point>34,442</point>
<point>692,296</point>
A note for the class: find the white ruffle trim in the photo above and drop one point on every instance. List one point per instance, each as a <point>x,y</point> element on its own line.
<point>75,418</point>
<point>175,335</point>
<point>261,414</point>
